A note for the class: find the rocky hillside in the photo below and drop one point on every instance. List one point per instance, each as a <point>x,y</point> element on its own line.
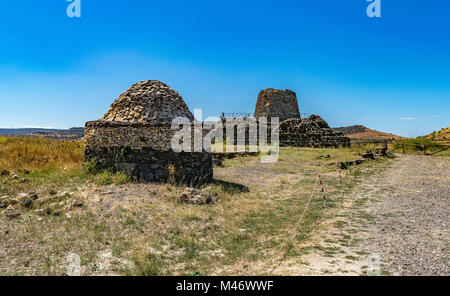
<point>359,132</point>
<point>440,136</point>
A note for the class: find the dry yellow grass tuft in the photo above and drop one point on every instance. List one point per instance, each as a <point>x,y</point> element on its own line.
<point>37,154</point>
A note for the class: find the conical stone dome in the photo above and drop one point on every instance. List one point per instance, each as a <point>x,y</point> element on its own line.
<point>146,102</point>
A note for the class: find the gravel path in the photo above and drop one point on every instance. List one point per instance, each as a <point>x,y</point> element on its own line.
<point>411,227</point>
<point>400,217</point>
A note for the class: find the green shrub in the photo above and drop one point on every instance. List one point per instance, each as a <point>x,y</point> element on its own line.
<point>91,166</point>
<point>109,177</point>
<point>104,178</point>
<point>121,178</point>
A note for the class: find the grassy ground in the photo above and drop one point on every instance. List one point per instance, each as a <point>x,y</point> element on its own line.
<point>141,229</point>
<point>39,154</point>
<point>415,146</point>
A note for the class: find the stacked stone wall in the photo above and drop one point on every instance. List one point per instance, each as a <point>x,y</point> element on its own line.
<point>144,151</point>
<point>310,132</point>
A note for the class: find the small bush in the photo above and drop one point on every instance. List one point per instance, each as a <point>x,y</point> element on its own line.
<point>109,177</point>
<point>91,166</point>
<point>121,178</point>
<point>104,178</point>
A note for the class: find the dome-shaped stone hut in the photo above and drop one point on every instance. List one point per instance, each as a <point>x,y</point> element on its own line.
<point>135,136</point>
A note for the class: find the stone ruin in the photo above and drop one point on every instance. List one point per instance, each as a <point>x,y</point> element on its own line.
<point>135,136</point>
<point>310,132</point>
<point>277,103</point>
<point>295,131</point>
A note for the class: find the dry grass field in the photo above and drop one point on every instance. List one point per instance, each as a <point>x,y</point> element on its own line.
<point>38,154</point>
<point>359,132</point>
<point>120,227</point>
<point>369,134</point>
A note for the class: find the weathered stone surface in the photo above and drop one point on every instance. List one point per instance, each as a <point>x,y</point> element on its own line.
<point>11,212</point>
<point>197,196</point>
<point>148,164</point>
<point>277,103</point>
<point>156,136</point>
<point>310,132</point>
<point>27,203</point>
<point>368,155</point>
<point>345,164</point>
<point>40,212</point>
<point>23,196</point>
<point>148,101</point>
<point>382,151</point>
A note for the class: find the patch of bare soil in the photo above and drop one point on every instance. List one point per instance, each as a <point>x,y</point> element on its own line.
<point>394,223</point>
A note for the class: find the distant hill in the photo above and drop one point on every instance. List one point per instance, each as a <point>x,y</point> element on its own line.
<point>72,133</point>
<point>359,132</point>
<point>354,129</point>
<point>440,136</point>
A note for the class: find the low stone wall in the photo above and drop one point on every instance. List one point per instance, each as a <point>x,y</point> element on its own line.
<point>309,132</point>
<point>144,151</point>
<point>320,139</point>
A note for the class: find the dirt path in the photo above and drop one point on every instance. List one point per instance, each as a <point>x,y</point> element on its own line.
<point>394,223</point>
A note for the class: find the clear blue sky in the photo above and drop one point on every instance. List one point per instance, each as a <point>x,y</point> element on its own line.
<point>390,74</point>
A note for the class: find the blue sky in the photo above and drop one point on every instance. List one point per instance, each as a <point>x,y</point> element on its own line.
<point>390,74</point>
